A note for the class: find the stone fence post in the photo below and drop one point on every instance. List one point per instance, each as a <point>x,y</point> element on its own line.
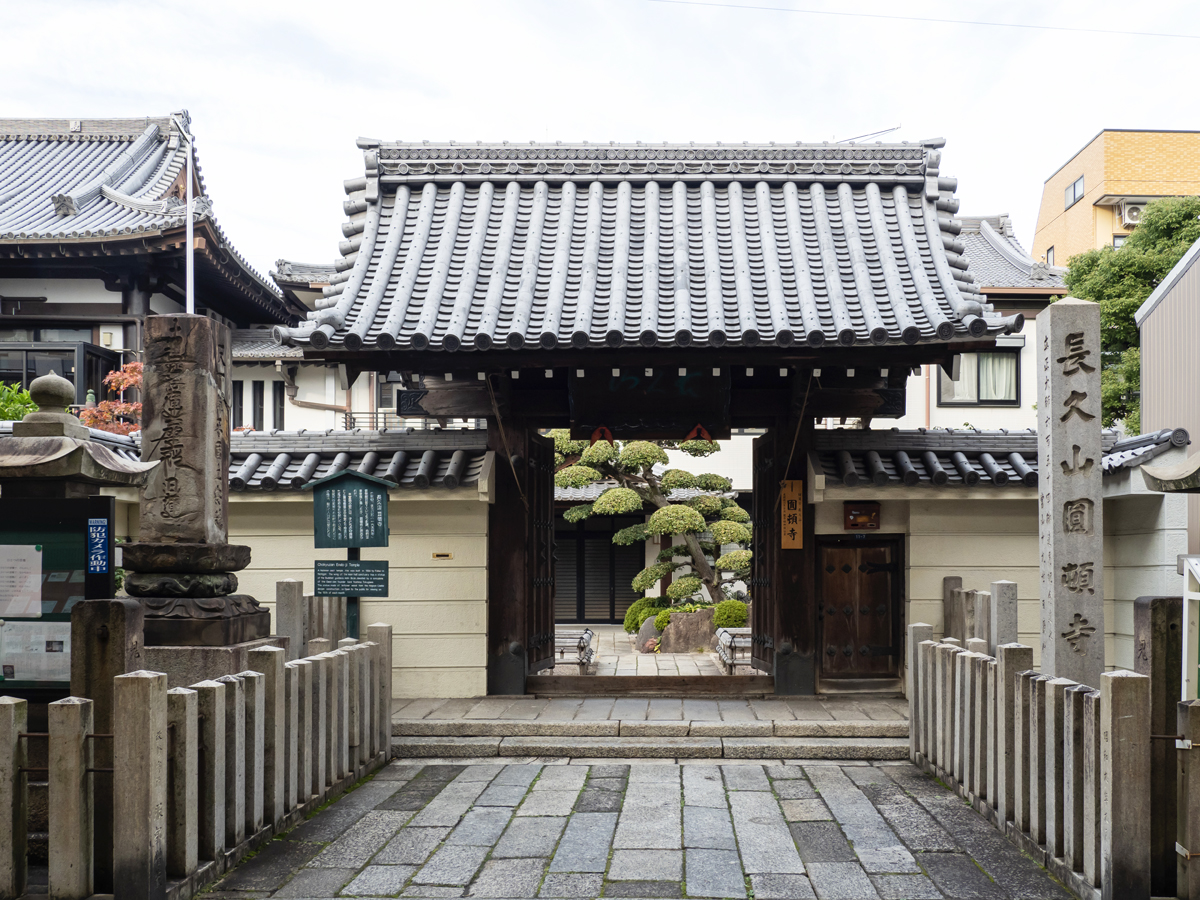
<point>1011,659</point>
<point>1125,785</point>
<point>291,734</point>
<point>291,615</point>
<point>255,739</point>
<point>270,661</point>
<point>1002,608</point>
<point>235,760</point>
<point>14,797</point>
<point>210,784</point>
<point>183,834</point>
<point>381,634</point>
<point>71,817</point>
<point>918,632</point>
<point>140,774</point>
<point>1187,885</point>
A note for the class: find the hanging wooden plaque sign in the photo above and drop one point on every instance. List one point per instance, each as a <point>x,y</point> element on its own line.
<point>791,512</point>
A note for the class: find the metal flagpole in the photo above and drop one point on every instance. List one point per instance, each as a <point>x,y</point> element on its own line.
<point>189,284</point>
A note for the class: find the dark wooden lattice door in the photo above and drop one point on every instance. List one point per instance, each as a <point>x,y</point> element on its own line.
<point>857,616</point>
<point>539,614</point>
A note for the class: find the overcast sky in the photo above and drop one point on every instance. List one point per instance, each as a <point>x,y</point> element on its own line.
<point>279,91</point>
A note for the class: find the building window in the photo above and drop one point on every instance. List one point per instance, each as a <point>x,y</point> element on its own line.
<point>985,379</point>
<point>1049,256</point>
<point>257,390</point>
<point>1073,194</point>
<point>277,401</point>
<point>387,395</point>
<point>1118,240</point>
<point>54,335</point>
<point>236,403</point>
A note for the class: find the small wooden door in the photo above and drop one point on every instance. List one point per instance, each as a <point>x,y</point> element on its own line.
<point>859,619</point>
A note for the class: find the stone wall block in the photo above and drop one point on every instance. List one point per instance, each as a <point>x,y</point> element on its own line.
<point>291,615</point>
<point>70,756</point>
<point>270,662</point>
<point>183,837</point>
<point>1124,785</point>
<point>255,748</point>
<point>1054,714</point>
<point>1073,700</point>
<point>235,760</point>
<point>291,739</point>
<point>210,785</point>
<point>140,774</point>
<point>1002,610</point>
<point>1011,659</point>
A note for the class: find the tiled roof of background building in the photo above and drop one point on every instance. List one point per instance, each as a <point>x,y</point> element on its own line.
<point>999,261</point>
<point>460,247</point>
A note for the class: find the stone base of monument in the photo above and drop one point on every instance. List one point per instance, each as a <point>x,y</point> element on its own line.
<point>204,621</point>
<point>185,666</point>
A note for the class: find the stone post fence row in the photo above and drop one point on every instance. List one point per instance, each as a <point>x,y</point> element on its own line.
<point>202,775</point>
<point>1062,769</point>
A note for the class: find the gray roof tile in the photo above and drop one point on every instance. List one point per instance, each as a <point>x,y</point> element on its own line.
<point>999,261</point>
<point>465,247</point>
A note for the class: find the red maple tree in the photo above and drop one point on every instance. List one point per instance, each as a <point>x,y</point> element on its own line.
<point>117,416</point>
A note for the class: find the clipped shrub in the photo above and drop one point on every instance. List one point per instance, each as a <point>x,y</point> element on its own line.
<point>630,535</point>
<point>675,519</point>
<point>707,505</point>
<point>599,453</point>
<point>677,479</point>
<point>735,561</point>
<point>735,514</point>
<point>710,482</point>
<point>699,447</point>
<point>648,577</point>
<point>645,614</point>
<point>578,513</point>
<point>670,553</point>
<point>725,532</point>
<point>617,502</point>
<point>662,620</point>
<point>728,502</point>
<point>564,445</point>
<point>682,588</point>
<point>632,622</point>
<point>637,455</point>
<point>731,614</point>
<point>576,476</point>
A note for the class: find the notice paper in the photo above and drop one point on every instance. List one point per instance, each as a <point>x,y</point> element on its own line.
<point>35,651</point>
<point>20,581</point>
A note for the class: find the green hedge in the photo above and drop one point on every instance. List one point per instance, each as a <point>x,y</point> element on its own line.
<point>731,614</point>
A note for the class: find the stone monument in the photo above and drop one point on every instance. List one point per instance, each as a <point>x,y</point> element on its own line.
<point>182,566</point>
<point>1070,493</point>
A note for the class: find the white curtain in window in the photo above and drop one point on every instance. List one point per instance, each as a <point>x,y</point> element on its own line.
<point>966,389</point>
<point>998,376</point>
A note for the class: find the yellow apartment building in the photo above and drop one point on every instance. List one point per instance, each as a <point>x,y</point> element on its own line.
<point>1096,198</point>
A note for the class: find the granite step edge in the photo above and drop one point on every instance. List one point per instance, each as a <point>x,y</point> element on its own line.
<point>646,728</point>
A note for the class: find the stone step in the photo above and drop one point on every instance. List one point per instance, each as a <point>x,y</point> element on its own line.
<point>591,747</point>
<point>855,728</point>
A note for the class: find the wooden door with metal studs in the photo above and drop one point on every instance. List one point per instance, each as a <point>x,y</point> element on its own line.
<point>859,615</point>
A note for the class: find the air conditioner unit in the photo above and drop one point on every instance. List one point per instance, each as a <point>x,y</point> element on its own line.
<point>1131,213</point>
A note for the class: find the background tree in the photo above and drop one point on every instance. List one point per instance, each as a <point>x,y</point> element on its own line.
<point>630,466</point>
<point>15,403</point>
<point>117,416</point>
<point>1120,281</point>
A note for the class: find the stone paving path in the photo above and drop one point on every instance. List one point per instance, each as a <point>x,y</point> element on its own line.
<point>615,656</point>
<point>655,709</point>
<point>521,831</point>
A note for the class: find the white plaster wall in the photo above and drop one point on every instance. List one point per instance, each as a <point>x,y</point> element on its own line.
<point>437,610</point>
<point>310,384</point>
<point>60,290</point>
<point>165,306</point>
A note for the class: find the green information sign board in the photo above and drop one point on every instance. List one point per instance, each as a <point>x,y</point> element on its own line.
<point>351,578</point>
<point>350,510</point>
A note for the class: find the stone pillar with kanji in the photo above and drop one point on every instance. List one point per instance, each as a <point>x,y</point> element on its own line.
<point>1070,492</point>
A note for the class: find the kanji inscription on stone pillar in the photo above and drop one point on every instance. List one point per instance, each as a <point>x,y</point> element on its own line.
<point>185,411</point>
<point>1070,493</point>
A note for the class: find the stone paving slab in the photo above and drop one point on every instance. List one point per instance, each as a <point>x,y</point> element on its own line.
<point>826,829</point>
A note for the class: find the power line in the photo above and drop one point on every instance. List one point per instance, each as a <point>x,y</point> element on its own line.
<point>860,15</point>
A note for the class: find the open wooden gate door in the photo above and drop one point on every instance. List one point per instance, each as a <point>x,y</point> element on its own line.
<point>783,617</point>
<point>520,558</point>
